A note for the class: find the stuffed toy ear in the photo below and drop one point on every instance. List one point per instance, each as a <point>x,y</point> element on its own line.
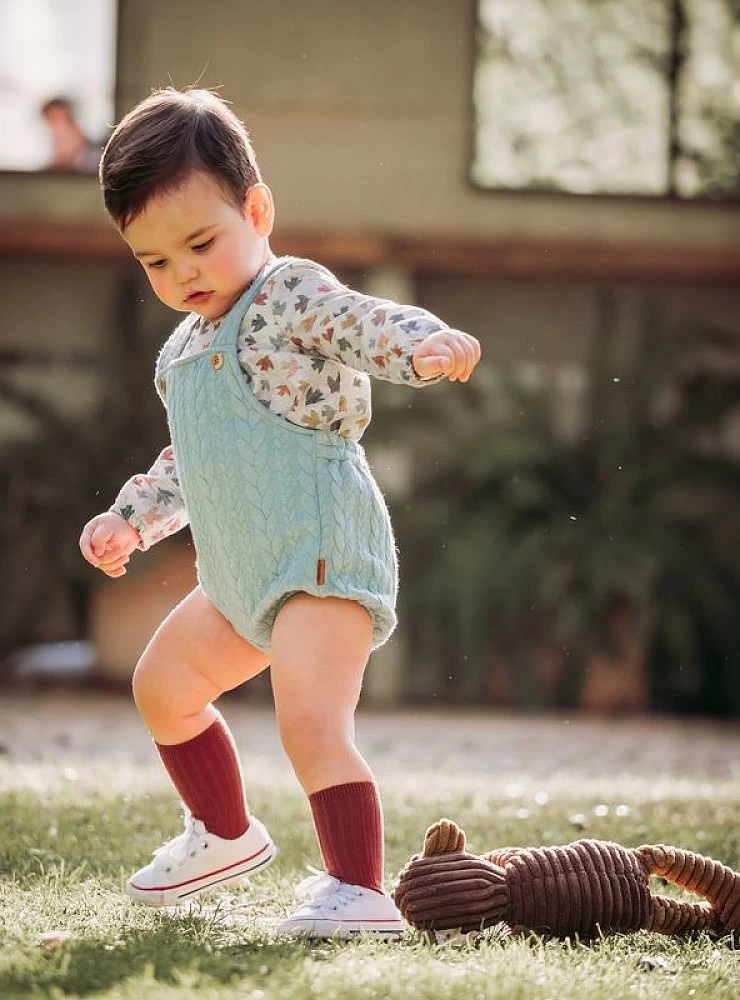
<point>445,888</point>
<point>443,837</point>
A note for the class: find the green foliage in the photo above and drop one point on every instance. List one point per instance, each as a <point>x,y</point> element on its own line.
<point>552,538</point>
<point>71,469</point>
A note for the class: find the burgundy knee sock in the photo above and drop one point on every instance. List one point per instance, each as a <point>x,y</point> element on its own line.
<point>349,825</point>
<point>208,778</point>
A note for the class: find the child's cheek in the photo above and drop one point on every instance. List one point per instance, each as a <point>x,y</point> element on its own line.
<point>218,264</point>
<point>158,283</point>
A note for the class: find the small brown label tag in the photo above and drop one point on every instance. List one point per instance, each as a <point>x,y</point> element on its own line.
<point>320,572</point>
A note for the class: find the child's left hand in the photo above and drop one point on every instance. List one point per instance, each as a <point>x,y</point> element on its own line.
<point>451,353</point>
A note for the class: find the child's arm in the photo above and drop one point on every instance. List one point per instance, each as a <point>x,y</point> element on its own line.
<point>148,508</point>
<point>153,503</point>
<point>403,344</point>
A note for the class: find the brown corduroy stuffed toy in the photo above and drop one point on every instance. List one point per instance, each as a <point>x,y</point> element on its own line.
<point>585,888</point>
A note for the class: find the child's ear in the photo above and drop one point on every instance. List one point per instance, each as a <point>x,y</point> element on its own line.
<point>260,209</point>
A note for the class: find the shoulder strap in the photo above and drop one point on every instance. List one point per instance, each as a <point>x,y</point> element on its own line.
<point>233,319</point>
<point>174,344</point>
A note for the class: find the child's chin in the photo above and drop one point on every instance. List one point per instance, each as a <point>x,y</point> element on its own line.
<point>210,309</point>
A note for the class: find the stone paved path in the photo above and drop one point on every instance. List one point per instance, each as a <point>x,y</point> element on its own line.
<point>54,725</point>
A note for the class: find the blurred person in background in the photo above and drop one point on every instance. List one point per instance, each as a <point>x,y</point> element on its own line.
<point>72,149</point>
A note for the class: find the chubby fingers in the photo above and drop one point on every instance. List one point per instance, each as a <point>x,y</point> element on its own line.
<point>430,366</point>
<point>86,545</point>
<point>450,353</point>
<point>101,547</point>
<point>458,354</point>
<point>466,355</point>
<point>115,567</point>
<point>103,540</point>
<point>95,540</point>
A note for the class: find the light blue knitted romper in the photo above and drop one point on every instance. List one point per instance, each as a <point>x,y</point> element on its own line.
<point>274,508</point>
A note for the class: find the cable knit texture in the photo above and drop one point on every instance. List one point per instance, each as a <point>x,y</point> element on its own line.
<point>274,508</point>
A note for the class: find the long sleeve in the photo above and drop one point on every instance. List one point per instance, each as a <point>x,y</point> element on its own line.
<point>369,334</point>
<point>153,503</point>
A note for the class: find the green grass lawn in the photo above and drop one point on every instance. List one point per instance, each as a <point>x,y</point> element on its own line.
<point>71,832</point>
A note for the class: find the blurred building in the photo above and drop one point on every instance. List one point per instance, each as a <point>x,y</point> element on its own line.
<point>362,117</point>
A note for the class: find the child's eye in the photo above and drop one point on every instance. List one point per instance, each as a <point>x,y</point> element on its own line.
<point>200,247</point>
<point>156,264</point>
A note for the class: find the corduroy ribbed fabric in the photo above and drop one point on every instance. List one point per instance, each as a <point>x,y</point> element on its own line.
<point>349,826</point>
<point>208,778</point>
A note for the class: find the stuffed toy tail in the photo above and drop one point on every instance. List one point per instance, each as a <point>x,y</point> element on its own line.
<point>713,881</point>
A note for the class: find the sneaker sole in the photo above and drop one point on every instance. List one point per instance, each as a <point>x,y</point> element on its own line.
<point>174,895</point>
<point>343,930</point>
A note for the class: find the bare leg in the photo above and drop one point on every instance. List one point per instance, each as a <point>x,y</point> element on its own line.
<point>193,657</point>
<point>319,651</point>
<point>320,647</point>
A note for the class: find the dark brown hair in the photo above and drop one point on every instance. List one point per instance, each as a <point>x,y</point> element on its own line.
<point>166,137</point>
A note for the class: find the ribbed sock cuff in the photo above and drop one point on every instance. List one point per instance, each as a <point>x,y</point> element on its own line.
<point>349,825</point>
<point>207,774</point>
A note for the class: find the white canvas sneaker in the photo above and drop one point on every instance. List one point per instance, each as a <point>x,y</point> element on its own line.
<point>336,909</point>
<point>197,861</point>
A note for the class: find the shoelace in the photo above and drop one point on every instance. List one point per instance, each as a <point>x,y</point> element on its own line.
<point>176,851</point>
<point>315,883</point>
<point>325,894</point>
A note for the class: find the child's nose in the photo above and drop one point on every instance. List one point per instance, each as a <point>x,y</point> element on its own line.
<point>186,271</point>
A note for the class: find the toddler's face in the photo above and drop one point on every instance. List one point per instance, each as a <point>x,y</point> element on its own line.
<point>198,249</point>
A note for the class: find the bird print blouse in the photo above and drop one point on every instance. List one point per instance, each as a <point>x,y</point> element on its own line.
<point>306,346</point>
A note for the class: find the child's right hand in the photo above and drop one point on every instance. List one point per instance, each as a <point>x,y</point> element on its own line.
<point>107,541</point>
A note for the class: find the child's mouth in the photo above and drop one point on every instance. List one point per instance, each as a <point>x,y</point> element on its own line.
<point>197,297</point>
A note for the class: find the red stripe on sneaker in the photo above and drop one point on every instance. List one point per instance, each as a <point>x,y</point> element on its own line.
<point>216,881</point>
<point>199,878</point>
<point>336,920</point>
<point>390,924</point>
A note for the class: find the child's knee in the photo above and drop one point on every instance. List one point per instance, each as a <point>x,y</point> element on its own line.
<point>146,685</point>
<point>169,687</point>
<point>307,734</point>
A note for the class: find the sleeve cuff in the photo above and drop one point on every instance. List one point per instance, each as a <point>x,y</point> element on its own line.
<point>127,512</point>
<point>415,380</point>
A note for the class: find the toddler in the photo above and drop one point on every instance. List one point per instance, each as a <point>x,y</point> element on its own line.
<point>266,387</point>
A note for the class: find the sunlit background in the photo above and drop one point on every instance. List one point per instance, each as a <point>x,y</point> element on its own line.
<point>559,179</point>
<point>608,97</point>
<point>53,48</point>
